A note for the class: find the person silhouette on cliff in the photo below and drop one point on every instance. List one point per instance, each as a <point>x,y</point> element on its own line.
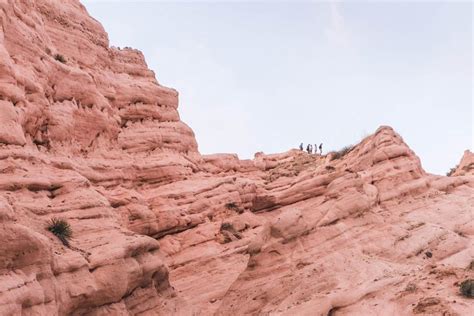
<point>301,146</point>
<point>308,148</point>
<point>321,148</point>
<point>315,149</point>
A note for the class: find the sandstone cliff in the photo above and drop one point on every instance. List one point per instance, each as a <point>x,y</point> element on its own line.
<point>87,134</point>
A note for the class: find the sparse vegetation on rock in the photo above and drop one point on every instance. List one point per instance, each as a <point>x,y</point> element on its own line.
<point>232,206</point>
<point>330,168</point>
<point>229,233</point>
<point>467,288</point>
<point>451,171</point>
<point>341,152</point>
<point>61,229</point>
<point>60,58</point>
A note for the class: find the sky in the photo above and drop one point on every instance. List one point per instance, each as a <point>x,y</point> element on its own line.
<point>266,76</point>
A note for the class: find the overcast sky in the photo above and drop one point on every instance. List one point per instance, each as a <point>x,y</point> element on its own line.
<point>265,76</point>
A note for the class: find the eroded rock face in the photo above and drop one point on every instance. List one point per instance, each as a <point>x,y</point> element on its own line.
<point>370,233</point>
<point>87,134</point>
<point>466,166</point>
<point>66,90</point>
<point>82,126</point>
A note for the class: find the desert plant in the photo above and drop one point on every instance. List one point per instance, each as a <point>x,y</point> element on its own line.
<point>451,171</point>
<point>60,58</point>
<point>229,233</point>
<point>341,152</point>
<point>467,288</point>
<point>233,207</point>
<point>62,230</point>
<point>227,226</point>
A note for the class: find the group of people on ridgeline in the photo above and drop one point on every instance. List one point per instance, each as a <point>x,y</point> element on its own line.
<point>309,148</point>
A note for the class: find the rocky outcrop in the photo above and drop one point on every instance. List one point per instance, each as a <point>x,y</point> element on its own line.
<point>466,166</point>
<point>368,233</point>
<point>88,135</point>
<point>66,90</point>
<point>82,125</point>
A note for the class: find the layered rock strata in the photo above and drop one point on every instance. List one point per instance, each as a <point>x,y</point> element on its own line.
<point>87,134</point>
<point>466,166</point>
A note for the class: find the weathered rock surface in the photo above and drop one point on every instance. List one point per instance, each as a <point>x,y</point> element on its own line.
<point>466,166</point>
<point>87,134</point>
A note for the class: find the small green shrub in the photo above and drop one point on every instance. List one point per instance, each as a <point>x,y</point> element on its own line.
<point>467,288</point>
<point>60,58</point>
<point>62,230</point>
<point>342,152</point>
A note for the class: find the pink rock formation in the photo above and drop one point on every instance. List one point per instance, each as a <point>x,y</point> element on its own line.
<point>466,166</point>
<point>87,134</point>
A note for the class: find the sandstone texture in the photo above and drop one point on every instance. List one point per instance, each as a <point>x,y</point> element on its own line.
<point>466,166</point>
<point>88,135</point>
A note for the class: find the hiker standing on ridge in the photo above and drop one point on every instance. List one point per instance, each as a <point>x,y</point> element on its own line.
<point>321,148</point>
<point>301,146</point>
<point>315,149</point>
